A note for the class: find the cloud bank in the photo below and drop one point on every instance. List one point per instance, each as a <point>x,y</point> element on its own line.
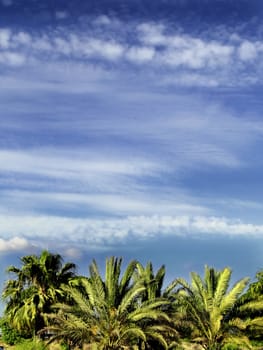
<point>98,234</point>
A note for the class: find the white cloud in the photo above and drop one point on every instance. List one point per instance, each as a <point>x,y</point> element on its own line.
<point>62,46</point>
<point>185,50</point>
<point>140,54</point>
<point>248,51</point>
<point>80,46</point>
<point>103,20</point>
<point>13,244</point>
<point>12,58</point>
<point>42,43</point>
<point>196,54</point>
<point>220,62</point>
<point>100,233</point>
<point>21,38</point>
<point>152,34</point>
<point>5,36</point>
<point>108,49</point>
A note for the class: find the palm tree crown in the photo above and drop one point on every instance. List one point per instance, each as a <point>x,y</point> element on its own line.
<point>36,286</point>
<point>109,313</point>
<point>208,305</point>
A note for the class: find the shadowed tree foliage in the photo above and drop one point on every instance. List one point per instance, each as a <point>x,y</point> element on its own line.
<point>154,288</point>
<point>154,283</point>
<point>34,288</point>
<point>250,308</point>
<point>109,313</point>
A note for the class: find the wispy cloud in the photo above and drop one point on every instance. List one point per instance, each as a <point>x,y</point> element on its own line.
<point>63,164</point>
<point>141,168</point>
<point>125,179</point>
<point>95,122</point>
<point>7,2</point>
<point>116,204</point>
<point>61,14</point>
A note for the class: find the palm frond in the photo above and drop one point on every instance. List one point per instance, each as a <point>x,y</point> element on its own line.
<point>231,297</point>
<point>222,286</point>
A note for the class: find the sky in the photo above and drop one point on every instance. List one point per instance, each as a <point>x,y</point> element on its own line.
<point>132,128</point>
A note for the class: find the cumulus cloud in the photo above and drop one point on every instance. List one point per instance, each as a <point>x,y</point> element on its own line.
<point>248,51</point>
<point>198,55</point>
<point>140,54</point>
<point>22,38</point>
<point>108,49</point>
<point>177,50</point>
<point>180,53</point>
<point>152,34</point>
<point>13,244</point>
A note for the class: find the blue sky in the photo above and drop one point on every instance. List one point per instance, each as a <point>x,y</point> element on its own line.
<point>132,128</point>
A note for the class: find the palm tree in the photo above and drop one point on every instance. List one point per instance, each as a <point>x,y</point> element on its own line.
<point>153,283</point>
<point>35,287</point>
<point>209,305</point>
<point>109,314</point>
<point>154,289</point>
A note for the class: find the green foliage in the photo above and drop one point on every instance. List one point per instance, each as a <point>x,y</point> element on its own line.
<point>153,283</point>
<point>230,346</point>
<point>129,309</point>
<point>250,308</point>
<point>34,344</point>
<point>64,346</point>
<point>9,334</point>
<point>257,344</point>
<point>110,313</point>
<point>208,304</point>
<point>34,288</point>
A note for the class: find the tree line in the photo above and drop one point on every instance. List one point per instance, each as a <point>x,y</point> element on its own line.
<point>129,308</point>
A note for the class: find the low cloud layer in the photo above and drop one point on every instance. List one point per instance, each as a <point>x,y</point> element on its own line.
<point>99,234</point>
